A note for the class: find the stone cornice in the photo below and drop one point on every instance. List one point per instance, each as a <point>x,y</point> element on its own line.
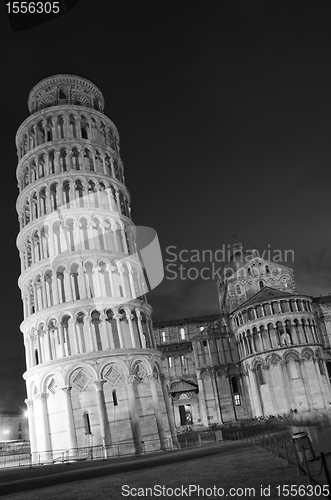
<point>79,305</point>
<point>60,109</point>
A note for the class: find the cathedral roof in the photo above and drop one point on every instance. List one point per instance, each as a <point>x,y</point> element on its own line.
<point>183,386</point>
<point>217,328</point>
<point>322,300</point>
<point>266,293</point>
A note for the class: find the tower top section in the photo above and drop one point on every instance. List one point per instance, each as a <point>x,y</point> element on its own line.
<point>60,90</point>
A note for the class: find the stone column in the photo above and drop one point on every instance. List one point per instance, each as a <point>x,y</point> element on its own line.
<point>46,439</point>
<point>157,411</point>
<point>271,388</point>
<point>169,412</point>
<point>31,352</point>
<point>49,347</point>
<point>287,385</point>
<point>118,201</point>
<point>202,399</point>
<point>328,382</point>
<point>125,293</point>
<point>27,355</point>
<point>72,196</point>
<point>40,353</point>
<point>66,341</point>
<point>90,234</point>
<point>251,342</point>
<point>303,328</point>
<point>140,329</point>
<point>231,397</point>
<point>256,391</point>
<point>134,418</point>
<point>306,384</point>
<point>25,306</point>
<point>132,335</point>
<point>101,276</point>
<point>261,340</point>
<point>111,279</point>
<point>55,289</point>
<point>150,334</point>
<point>46,303</point>
<point>273,338</point>
<point>243,345</point>
<point>61,336</point>
<point>73,333</point>
<point>76,234</point>
<point>104,331</point>
<point>250,395</point>
<point>125,246</point>
<point>51,239</point>
<point>81,283</point>
<point>216,395</point>
<point>119,329</point>
<point>240,351</point>
<point>133,292</point>
<point>96,282</point>
<point>47,170</point>
<point>320,382</point>
<point>79,334</point>
<point>243,391</point>
<point>114,231</point>
<point>57,163</point>
<point>32,428</point>
<point>109,333</point>
<point>72,438</point>
<point>103,417</point>
<point>310,333</point>
<point>67,285</point>
<point>87,326</point>
<point>294,336</point>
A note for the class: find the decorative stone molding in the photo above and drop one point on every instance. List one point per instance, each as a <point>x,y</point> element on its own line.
<point>42,397</point>
<point>99,384</point>
<point>80,380</point>
<point>67,390</point>
<point>53,386</point>
<point>131,379</point>
<point>112,374</point>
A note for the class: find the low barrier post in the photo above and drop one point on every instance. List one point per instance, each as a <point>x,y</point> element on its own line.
<point>276,445</point>
<point>285,448</point>
<point>305,463</point>
<point>326,471</point>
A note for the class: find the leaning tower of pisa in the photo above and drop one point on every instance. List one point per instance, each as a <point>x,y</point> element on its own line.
<point>93,373</point>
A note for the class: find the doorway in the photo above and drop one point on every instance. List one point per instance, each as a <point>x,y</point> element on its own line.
<point>185,413</point>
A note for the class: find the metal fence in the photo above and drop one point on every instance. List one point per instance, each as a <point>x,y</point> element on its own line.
<point>316,470</point>
<point>87,453</point>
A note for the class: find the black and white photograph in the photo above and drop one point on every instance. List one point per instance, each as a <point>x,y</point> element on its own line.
<point>165,249</point>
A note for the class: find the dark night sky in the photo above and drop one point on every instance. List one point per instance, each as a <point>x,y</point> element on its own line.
<point>224,114</point>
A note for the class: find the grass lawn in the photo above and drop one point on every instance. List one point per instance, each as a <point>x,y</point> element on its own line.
<point>239,466</point>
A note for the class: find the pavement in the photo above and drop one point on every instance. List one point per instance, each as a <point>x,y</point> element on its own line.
<point>23,479</point>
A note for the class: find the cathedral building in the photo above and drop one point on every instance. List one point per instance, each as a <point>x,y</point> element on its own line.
<point>266,353</point>
<point>94,375</point>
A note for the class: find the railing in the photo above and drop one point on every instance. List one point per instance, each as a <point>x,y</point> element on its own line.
<point>316,470</point>
<point>87,453</point>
